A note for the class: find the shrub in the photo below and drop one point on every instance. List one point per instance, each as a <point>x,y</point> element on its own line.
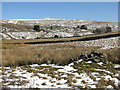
<point>37,27</point>
<point>83,27</point>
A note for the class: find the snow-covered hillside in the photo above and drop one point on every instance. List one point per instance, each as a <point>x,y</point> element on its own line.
<point>23,28</point>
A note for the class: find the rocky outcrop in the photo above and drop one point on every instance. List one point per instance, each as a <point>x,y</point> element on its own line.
<point>94,57</point>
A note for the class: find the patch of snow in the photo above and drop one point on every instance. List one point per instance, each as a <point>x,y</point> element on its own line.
<point>83,30</point>
<point>66,69</point>
<point>107,77</point>
<point>98,79</point>
<point>79,61</point>
<point>33,65</point>
<point>12,21</point>
<point>109,86</point>
<point>4,36</point>
<point>116,81</point>
<point>26,35</point>
<point>117,66</point>
<point>92,86</point>
<point>102,70</point>
<point>89,62</point>
<point>100,63</point>
<point>95,73</point>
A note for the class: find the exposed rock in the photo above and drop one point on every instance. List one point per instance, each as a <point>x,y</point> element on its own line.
<point>94,57</point>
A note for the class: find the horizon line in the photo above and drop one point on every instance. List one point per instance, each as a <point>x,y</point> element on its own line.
<point>56,19</point>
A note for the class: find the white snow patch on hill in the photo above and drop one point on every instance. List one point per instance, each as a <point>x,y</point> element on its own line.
<point>26,35</point>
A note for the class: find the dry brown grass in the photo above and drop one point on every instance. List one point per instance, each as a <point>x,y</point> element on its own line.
<point>54,53</point>
<point>11,46</point>
<point>22,54</point>
<point>113,55</point>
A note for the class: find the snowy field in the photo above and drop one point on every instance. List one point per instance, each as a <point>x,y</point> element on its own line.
<point>105,43</point>
<point>79,74</point>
